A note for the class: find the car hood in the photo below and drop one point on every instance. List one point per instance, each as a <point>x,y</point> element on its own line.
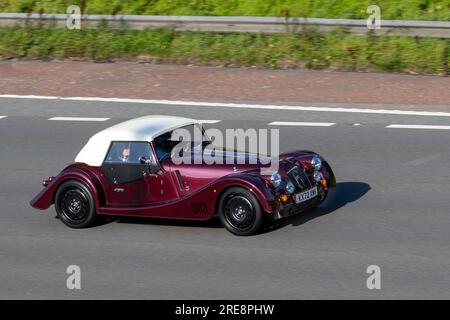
<point>225,161</point>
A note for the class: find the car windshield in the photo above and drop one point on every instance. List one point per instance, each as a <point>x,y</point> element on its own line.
<point>194,135</point>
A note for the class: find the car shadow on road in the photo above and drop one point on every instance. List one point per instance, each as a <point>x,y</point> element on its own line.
<point>341,195</point>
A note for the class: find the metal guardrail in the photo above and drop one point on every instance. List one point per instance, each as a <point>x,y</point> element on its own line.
<point>437,29</point>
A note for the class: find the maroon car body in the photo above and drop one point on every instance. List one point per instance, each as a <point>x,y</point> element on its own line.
<point>160,188</point>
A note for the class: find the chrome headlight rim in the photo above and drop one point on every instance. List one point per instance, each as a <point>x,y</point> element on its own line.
<point>275,179</point>
<point>316,162</point>
<point>317,176</point>
<point>290,188</point>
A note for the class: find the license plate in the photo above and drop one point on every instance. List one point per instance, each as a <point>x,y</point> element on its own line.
<point>305,195</point>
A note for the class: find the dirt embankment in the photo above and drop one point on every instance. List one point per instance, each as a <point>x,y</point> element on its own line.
<point>174,82</point>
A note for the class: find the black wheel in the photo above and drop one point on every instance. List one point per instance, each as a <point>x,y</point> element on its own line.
<point>75,205</point>
<point>322,198</point>
<point>240,211</point>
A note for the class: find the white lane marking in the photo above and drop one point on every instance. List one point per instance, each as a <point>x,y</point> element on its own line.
<point>3,117</point>
<point>304,124</point>
<point>236,105</point>
<point>423,160</point>
<point>77,119</point>
<point>414,126</point>
<point>209,121</point>
<point>16,96</point>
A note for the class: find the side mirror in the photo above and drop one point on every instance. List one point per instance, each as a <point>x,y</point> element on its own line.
<point>152,168</point>
<point>144,160</point>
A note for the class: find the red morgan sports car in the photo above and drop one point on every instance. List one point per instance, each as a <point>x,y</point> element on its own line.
<point>128,170</point>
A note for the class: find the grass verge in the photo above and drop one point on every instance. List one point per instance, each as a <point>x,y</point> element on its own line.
<point>335,50</point>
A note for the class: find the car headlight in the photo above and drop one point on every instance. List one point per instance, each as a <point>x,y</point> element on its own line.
<point>290,188</point>
<point>316,162</point>
<point>275,179</point>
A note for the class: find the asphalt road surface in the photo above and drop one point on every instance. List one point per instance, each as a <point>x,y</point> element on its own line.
<point>390,208</point>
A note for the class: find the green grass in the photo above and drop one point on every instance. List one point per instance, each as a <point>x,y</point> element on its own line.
<point>335,50</point>
<point>351,9</point>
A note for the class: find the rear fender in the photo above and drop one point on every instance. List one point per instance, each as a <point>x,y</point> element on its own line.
<point>44,199</point>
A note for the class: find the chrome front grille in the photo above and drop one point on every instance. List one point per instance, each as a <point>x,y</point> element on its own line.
<point>297,176</point>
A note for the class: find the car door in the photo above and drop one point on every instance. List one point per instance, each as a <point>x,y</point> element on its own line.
<point>129,182</point>
<point>188,141</point>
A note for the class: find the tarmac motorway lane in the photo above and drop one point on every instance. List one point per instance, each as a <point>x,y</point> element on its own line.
<point>390,208</point>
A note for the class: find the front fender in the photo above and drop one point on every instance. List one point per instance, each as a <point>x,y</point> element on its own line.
<point>304,157</point>
<point>255,184</point>
<point>329,174</point>
<point>44,199</point>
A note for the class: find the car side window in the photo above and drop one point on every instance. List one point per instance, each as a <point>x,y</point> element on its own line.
<point>129,152</point>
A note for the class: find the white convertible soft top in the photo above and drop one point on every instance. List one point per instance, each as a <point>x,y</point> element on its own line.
<point>140,129</point>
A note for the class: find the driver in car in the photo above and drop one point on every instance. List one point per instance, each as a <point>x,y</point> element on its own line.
<point>123,153</point>
<point>125,156</point>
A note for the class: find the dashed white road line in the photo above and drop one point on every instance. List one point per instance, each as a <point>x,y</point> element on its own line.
<point>423,160</point>
<point>234,105</point>
<point>77,119</point>
<point>414,126</point>
<point>3,117</point>
<point>303,124</point>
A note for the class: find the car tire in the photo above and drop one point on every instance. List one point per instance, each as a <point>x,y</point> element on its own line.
<point>324,197</point>
<point>240,211</point>
<point>75,205</point>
